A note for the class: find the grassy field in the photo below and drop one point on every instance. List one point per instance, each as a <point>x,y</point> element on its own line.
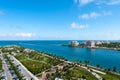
<point>76,73</point>
<point>32,65</point>
<point>51,61</point>
<point>35,67</point>
<point>110,76</point>
<point>36,63</point>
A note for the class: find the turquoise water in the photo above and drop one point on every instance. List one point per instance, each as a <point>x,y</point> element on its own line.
<point>106,58</point>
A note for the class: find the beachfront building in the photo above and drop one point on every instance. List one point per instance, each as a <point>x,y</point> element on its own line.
<point>28,50</point>
<point>90,44</point>
<point>74,43</point>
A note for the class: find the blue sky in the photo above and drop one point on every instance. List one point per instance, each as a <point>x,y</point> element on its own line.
<point>59,19</point>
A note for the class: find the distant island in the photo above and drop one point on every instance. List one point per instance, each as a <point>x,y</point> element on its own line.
<point>95,44</point>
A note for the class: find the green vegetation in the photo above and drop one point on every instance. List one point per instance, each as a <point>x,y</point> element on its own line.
<point>111,45</point>
<point>110,76</point>
<point>37,62</point>
<point>37,56</point>
<point>10,49</point>
<point>34,66</point>
<point>13,67</point>
<point>81,73</point>
<point>72,72</point>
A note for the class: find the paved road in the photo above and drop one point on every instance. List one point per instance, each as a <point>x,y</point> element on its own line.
<point>6,69</point>
<point>24,70</point>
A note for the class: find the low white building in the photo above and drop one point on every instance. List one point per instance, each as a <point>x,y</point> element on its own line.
<point>27,50</point>
<point>74,43</point>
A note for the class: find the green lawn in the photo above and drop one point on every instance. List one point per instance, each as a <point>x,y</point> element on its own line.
<point>79,72</point>
<point>36,62</point>
<point>51,61</point>
<point>37,56</point>
<point>32,65</point>
<point>110,76</point>
<point>21,57</point>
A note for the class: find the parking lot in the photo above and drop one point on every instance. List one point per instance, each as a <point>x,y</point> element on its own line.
<point>6,75</point>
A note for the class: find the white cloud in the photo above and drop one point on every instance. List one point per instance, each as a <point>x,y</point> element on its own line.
<point>114,2</point>
<point>94,15</point>
<point>1,13</point>
<point>78,26</point>
<point>24,35</point>
<point>88,16</point>
<point>18,35</point>
<point>84,16</point>
<point>97,2</point>
<point>84,2</point>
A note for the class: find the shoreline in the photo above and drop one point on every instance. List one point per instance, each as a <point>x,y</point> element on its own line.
<point>116,49</point>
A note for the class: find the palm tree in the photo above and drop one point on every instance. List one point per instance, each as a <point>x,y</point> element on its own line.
<point>114,68</point>
<point>109,69</point>
<point>98,65</point>
<point>87,62</point>
<point>80,62</point>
